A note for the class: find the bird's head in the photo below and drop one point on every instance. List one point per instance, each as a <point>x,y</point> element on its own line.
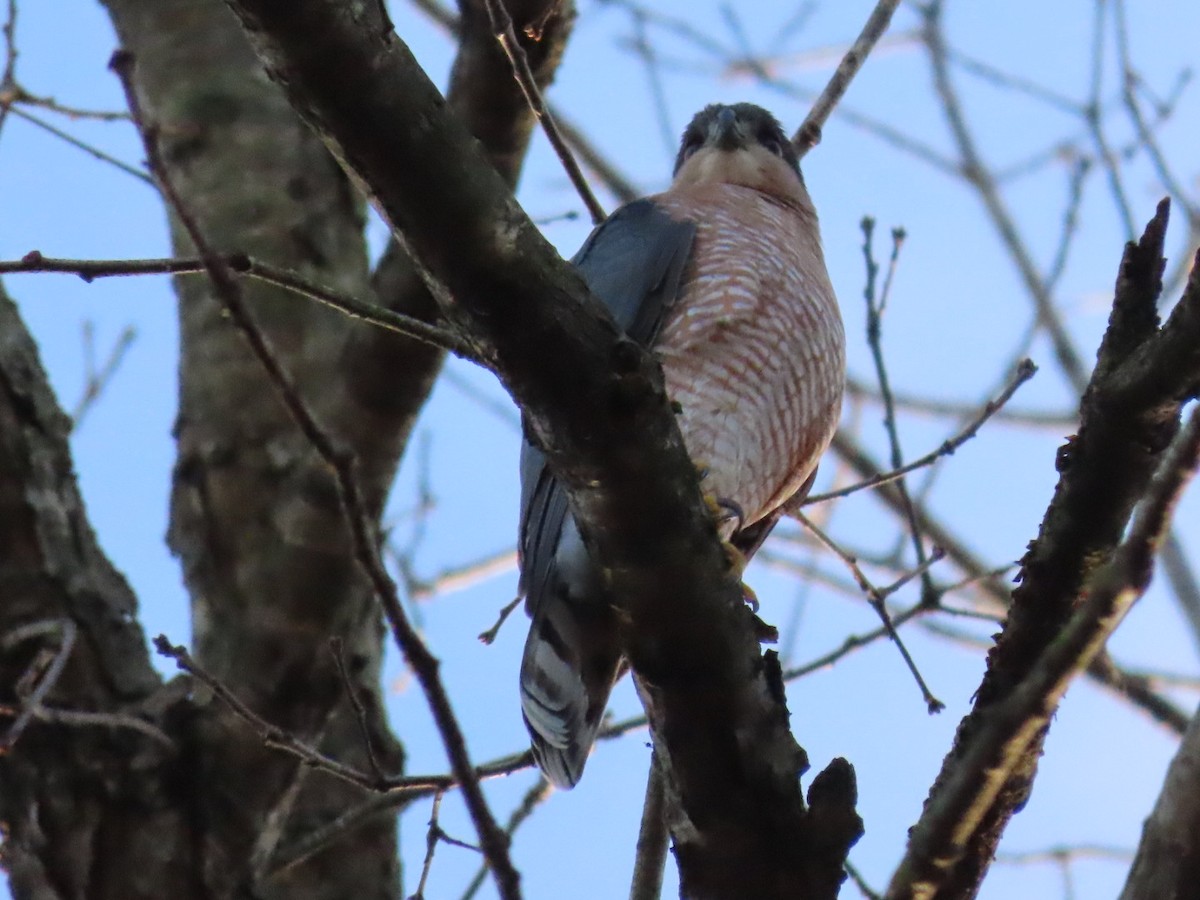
<point>739,144</point>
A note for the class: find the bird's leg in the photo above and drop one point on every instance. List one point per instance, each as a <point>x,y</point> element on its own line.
<point>724,511</point>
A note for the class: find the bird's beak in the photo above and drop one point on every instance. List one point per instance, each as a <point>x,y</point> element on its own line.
<point>726,133</point>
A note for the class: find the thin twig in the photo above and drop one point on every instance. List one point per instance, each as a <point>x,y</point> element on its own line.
<point>861,883</point>
<point>489,636</point>
<point>1057,422</point>
<point>434,836</point>
<point>431,842</point>
<point>533,798</point>
<point>502,26</point>
<point>1070,222</point>
<point>1093,115</point>
<point>968,791</point>
<point>78,718</point>
<point>21,95</point>
<point>416,654</point>
<point>1024,371</point>
<point>242,264</point>
<point>1145,134</point>
<point>411,788</point>
<point>8,83</point>
<point>51,672</point>
<point>95,152</point>
<point>336,647</point>
<point>858,641</point>
<point>808,135</point>
<point>1012,81</point>
<point>875,311</point>
<point>877,601</point>
<point>617,182</point>
<point>499,407</point>
<point>464,575</point>
<point>271,735</point>
<point>653,838</point>
<point>972,168</point>
<point>646,52</point>
<point>855,642</point>
<point>1137,692</point>
<point>404,791</point>
<point>97,379</point>
<point>1058,854</point>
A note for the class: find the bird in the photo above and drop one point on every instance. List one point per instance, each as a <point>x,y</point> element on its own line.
<point>723,278</point>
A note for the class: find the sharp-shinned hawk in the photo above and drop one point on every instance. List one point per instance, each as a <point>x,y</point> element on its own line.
<point>723,276</point>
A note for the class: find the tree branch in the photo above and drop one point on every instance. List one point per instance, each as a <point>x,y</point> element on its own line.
<point>595,403</point>
<point>1128,417</point>
<point>1168,858</point>
<point>1014,725</point>
<point>808,135</point>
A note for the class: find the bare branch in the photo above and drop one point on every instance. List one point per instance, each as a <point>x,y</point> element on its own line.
<point>651,856</point>
<point>809,133</point>
<point>502,25</point>
<point>1168,860</point>
<point>1025,370</point>
<point>975,171</point>
<point>877,601</point>
<point>87,148</point>
<point>44,670</point>
<point>241,264</point>
<point>97,379</point>
<point>272,736</point>
<point>418,656</point>
<point>954,812</point>
<point>533,798</point>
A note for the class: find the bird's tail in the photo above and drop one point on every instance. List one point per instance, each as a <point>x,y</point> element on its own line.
<point>572,658</point>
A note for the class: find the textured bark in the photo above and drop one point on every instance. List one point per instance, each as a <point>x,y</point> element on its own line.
<point>1167,865</point>
<point>109,812</point>
<point>387,377</point>
<point>76,800</point>
<point>595,402</point>
<point>1128,417</point>
<point>254,517</point>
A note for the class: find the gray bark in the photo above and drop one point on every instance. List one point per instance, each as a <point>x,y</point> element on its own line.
<point>198,808</point>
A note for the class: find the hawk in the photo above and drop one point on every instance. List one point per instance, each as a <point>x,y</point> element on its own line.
<point>723,277</point>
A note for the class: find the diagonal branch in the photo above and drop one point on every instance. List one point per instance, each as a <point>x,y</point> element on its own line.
<point>808,135</point>
<point>416,654</point>
<point>595,403</point>
<point>1015,724</point>
<point>1128,418</point>
<point>1168,858</point>
<point>502,25</point>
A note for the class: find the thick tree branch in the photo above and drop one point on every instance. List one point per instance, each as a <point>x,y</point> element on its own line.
<point>1168,858</point>
<point>255,519</point>
<point>386,379</point>
<point>1128,417</point>
<point>1011,726</point>
<point>52,570</point>
<point>595,402</point>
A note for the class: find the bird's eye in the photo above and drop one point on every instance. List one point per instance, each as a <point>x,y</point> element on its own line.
<point>691,143</point>
<point>773,144</point>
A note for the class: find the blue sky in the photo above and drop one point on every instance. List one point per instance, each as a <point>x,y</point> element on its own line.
<point>957,312</point>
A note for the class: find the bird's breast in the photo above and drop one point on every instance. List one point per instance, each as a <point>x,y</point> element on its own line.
<point>753,349</point>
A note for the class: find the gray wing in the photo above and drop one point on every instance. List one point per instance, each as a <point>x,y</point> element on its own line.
<point>634,263</point>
